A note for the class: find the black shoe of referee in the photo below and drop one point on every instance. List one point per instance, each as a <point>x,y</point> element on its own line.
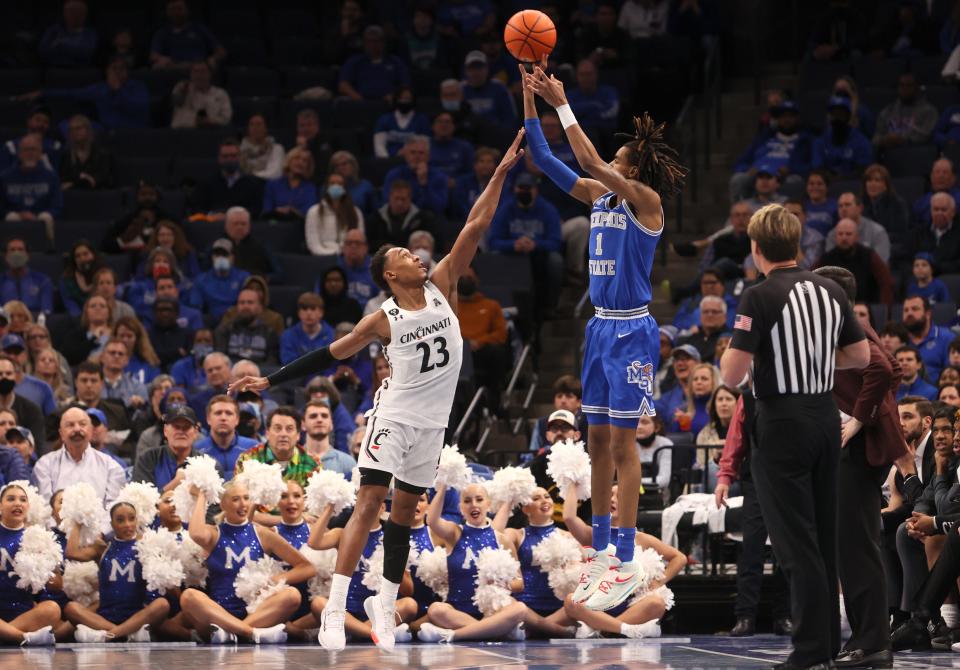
<point>912,635</point>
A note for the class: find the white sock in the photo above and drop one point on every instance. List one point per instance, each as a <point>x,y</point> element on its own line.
<point>950,614</point>
<point>338,592</point>
<point>388,594</point>
<point>624,627</point>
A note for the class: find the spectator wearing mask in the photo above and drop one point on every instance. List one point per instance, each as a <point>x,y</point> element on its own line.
<point>712,324</point>
<point>449,154</point>
<point>812,243</point>
<point>423,246</point>
<point>428,185</point>
<point>132,231</point>
<point>291,196</point>
<point>526,225</point>
<point>170,236</point>
<point>250,254</point>
<point>931,341</point>
<point>21,283</point>
<point>912,383</point>
<point>908,120</point>
<point>121,102</point>
<point>216,371</point>
<point>784,150</point>
<point>394,128</point>
<point>85,164</point>
<point>30,190</point>
<point>373,74</point>
<point>469,187</point>
<point>842,149</point>
<point>489,99</point>
<point>230,187</point>
<point>567,396</point>
<point>943,179</point>
<point>260,155</point>
<point>318,428</point>
<point>874,283</point>
<point>338,305</point>
<point>309,333</point>
<point>941,236</point>
<point>485,330</point>
<point>596,105</point>
<point>246,335</point>
<point>170,340</point>
<point>183,41</point>
<point>470,125</point>
<point>216,290</point>
<point>924,284</point>
<point>869,233</point>
<point>362,192</point>
<point>197,103</point>
<point>118,384</point>
<point>69,42</point>
<point>188,371</point>
<point>330,219</point>
<point>882,204</point>
<point>141,292</point>
<point>75,461</point>
<point>224,444</point>
<point>399,218</point>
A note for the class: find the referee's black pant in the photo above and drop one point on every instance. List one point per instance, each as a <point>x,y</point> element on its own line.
<point>794,467</point>
<point>861,563</point>
<point>750,563</point>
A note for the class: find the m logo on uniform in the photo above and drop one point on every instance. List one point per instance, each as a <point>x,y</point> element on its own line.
<point>641,374</point>
<point>233,558</point>
<point>117,571</point>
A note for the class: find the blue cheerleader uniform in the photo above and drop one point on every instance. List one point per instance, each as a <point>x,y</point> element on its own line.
<point>237,545</point>
<point>420,542</point>
<point>58,597</point>
<point>357,592</point>
<point>123,591</point>
<point>536,594</point>
<point>14,601</point>
<point>462,566</point>
<point>297,535</point>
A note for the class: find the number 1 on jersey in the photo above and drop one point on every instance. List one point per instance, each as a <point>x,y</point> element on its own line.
<point>599,250</point>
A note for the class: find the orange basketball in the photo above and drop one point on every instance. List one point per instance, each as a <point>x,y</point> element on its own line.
<point>530,35</point>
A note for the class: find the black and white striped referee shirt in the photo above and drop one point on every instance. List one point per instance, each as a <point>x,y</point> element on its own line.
<point>793,322</point>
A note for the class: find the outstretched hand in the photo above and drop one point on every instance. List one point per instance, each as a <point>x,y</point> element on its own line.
<point>549,88</point>
<point>513,154</point>
<point>249,383</point>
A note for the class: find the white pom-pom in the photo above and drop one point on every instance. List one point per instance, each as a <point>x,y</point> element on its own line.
<point>512,486</point>
<point>650,567</point>
<point>491,598</point>
<point>453,471</point>
<point>564,580</point>
<point>81,581</point>
<point>568,464</point>
<point>39,513</point>
<point>201,471</point>
<point>496,568</point>
<point>326,487</point>
<point>432,571</point>
<point>560,556</point>
<point>159,554</point>
<point>144,498</point>
<point>254,582</point>
<point>264,482</point>
<point>37,559</point>
<point>373,569</point>
<point>663,592</point>
<point>83,507</point>
<point>355,477</point>
<point>325,562</point>
<point>193,559</point>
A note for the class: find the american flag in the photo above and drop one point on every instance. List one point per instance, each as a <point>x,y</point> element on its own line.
<point>743,322</point>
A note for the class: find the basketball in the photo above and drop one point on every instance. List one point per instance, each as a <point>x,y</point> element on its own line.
<point>530,35</point>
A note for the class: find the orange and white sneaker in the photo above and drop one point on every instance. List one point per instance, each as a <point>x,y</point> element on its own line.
<point>594,568</point>
<point>616,585</point>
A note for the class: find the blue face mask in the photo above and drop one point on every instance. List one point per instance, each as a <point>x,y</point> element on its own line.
<point>200,351</point>
<point>450,105</point>
<point>336,191</point>
<point>221,264</point>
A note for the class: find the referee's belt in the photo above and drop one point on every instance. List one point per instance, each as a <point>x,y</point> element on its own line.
<point>621,314</point>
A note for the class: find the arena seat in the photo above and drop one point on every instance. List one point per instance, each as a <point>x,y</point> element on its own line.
<point>202,235</point>
<point>122,264</point>
<point>813,110</point>
<point>375,169</point>
<point>245,50</point>
<point>130,170</point>
<point>13,113</point>
<point>944,313</point>
<point>247,81</point>
<point>48,264</point>
<point>245,107</point>
<point>304,269</point>
<point>83,204</point>
<point>71,77</point>
<point>159,82</point>
<point>197,142</point>
<point>32,232</point>
<point>910,188</point>
<point>140,142</point>
<point>287,110</point>
<point>187,170</point>
<point>281,236</point>
<point>880,72</point>
<point>287,23</point>
<point>283,299</point>
<point>821,74</point>
<point>17,81</point>
<point>941,96</point>
<point>66,232</point>
<point>502,270</point>
<point>910,160</point>
<point>300,78</point>
<point>354,113</point>
<point>953,284</point>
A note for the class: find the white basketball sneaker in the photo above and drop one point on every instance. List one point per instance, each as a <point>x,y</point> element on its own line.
<point>272,635</point>
<point>332,636</point>
<point>430,633</point>
<point>39,638</point>
<point>619,582</point>
<point>142,635</point>
<point>87,635</point>
<point>402,633</point>
<point>641,630</point>
<point>381,629</point>
<point>593,571</point>
<point>220,636</point>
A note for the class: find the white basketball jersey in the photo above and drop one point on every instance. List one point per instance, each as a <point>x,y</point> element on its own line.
<point>425,353</point>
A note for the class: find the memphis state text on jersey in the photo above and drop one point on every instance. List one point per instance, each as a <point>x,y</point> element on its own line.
<point>608,219</point>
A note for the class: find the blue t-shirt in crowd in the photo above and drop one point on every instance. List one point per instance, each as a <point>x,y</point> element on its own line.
<point>34,289</point>
<point>416,124</point>
<point>599,109</point>
<point>934,350</point>
<point>775,150</point>
<point>38,392</point>
<point>935,291</point>
<point>374,80</point>
<point>60,47</point>
<point>215,293</point>
<point>295,342</point>
<point>360,285</point>
<point>190,43</point>
<point>453,157</point>
<point>432,196</point>
<point>541,223</point>
<point>280,193</point>
<point>948,126</point>
<point>467,16</point>
<point>844,159</point>
<point>36,190</point>
<point>921,206</point>
<point>188,372</point>
<point>822,217</point>
<point>227,458</point>
<point>491,101</point>
<point>127,107</point>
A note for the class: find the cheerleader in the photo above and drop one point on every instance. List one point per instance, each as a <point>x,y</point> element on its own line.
<point>176,627</point>
<point>421,541</point>
<point>638,617</point>
<point>126,609</point>
<point>360,599</point>
<point>167,516</point>
<point>22,621</point>
<point>296,531</point>
<point>221,617</point>
<point>63,630</point>
<point>545,613</point>
<point>459,618</point>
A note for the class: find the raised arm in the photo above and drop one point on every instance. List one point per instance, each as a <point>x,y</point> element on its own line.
<point>448,271</point>
<point>300,568</point>
<point>76,552</point>
<point>320,537</point>
<point>447,531</point>
<point>580,530</point>
<point>200,531</point>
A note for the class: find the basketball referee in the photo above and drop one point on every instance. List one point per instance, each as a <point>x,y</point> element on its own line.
<point>796,328</point>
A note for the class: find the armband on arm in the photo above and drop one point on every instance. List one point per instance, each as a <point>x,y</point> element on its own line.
<point>314,362</point>
<point>553,167</point>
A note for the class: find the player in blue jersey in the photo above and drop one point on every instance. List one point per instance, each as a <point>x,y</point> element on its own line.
<point>125,608</point>
<point>220,615</point>
<point>361,600</point>
<point>622,347</point>
<point>22,621</point>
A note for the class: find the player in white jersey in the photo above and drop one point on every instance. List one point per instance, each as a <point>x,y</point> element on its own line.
<point>405,428</point>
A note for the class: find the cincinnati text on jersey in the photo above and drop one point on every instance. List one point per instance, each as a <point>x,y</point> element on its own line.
<point>422,331</point>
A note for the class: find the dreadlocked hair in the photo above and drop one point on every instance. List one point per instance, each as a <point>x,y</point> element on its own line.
<point>656,161</point>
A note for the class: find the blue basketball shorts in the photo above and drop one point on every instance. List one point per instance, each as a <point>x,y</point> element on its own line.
<point>620,361</point>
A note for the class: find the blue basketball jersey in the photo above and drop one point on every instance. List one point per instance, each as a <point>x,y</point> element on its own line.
<point>237,545</point>
<point>536,593</point>
<point>123,592</point>
<point>13,600</point>
<point>462,565</point>
<point>420,542</point>
<point>357,592</point>
<point>621,256</point>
